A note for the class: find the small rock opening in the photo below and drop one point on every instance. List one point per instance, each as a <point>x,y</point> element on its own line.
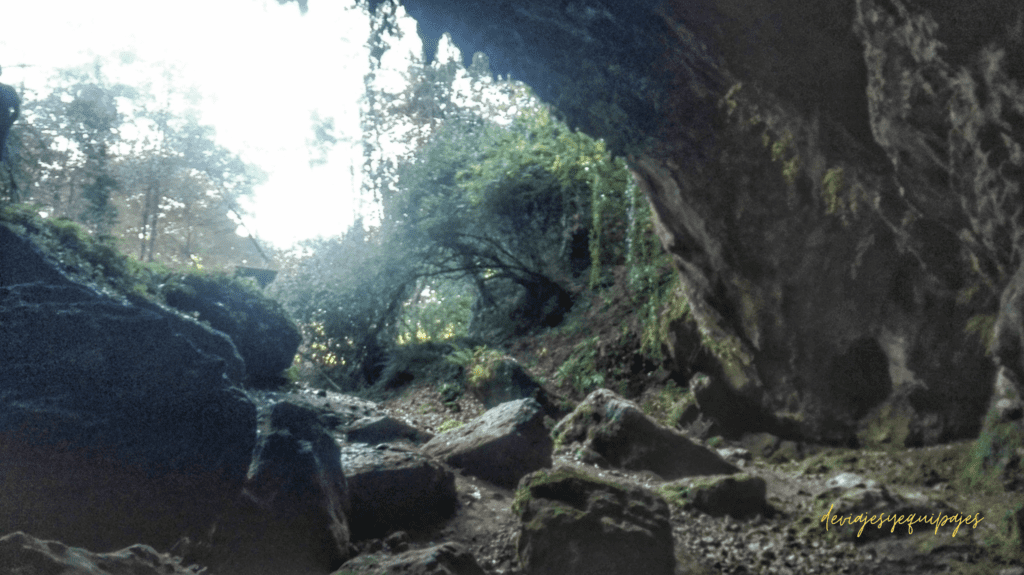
<point>859,378</point>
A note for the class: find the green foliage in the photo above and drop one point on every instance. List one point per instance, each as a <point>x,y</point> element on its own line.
<point>478,365</point>
<point>994,457</point>
<point>579,371</point>
<point>449,425</point>
<point>832,186</point>
<point>347,296</point>
<point>111,157</point>
<point>88,258</point>
<point>668,404</point>
<point>439,312</point>
<point>652,279</point>
<point>982,328</point>
<point>540,162</point>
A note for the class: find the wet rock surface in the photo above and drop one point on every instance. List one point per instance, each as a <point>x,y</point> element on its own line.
<point>443,559</point>
<point>108,406</point>
<point>610,429</point>
<point>24,554</point>
<point>574,523</point>
<point>395,487</point>
<point>501,446</point>
<point>263,334</point>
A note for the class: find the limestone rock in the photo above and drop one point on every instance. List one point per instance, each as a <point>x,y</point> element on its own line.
<point>624,436</point>
<point>739,496</point>
<point>573,524</point>
<point>120,423</point>
<point>444,559</point>
<point>22,553</point>
<point>1008,330</point>
<point>265,337</point>
<point>501,446</point>
<point>848,495</point>
<point>291,516</point>
<point>378,429</point>
<point>395,488</point>
<point>109,413</point>
<point>731,411</point>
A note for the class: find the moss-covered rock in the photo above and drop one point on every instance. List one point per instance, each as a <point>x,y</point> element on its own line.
<point>265,336</point>
<point>739,496</point>
<point>575,524</point>
<point>624,436</point>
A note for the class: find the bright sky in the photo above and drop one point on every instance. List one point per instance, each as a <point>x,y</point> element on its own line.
<point>261,67</point>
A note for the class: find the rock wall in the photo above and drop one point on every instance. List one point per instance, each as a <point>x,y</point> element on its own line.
<point>123,422</point>
<point>839,183</point>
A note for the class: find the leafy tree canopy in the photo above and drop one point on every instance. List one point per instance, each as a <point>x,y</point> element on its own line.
<point>129,164</point>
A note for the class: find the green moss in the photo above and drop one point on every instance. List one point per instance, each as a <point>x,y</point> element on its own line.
<point>791,170</point>
<point>887,428</point>
<point>668,404</point>
<point>579,371</point>
<point>537,480</point>
<point>728,350</point>
<point>832,187</point>
<point>449,425</point>
<point>994,456</point>
<point>981,327</point>
<point>676,494</point>
<point>92,260</point>
<point>780,147</point>
<point>1008,539</point>
<point>729,100</point>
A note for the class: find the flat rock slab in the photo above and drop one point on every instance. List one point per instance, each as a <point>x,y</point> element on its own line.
<point>618,431</point>
<point>22,553</point>
<point>500,446</point>
<point>739,496</point>
<point>444,559</point>
<point>393,487</point>
<point>379,429</point>
<point>575,524</point>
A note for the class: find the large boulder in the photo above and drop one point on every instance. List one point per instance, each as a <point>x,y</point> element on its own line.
<point>574,524</point>
<point>121,421</point>
<point>739,496</point>
<point>501,446</point>
<point>109,416</point>
<point>291,514</point>
<point>264,335</point>
<point>23,554</point>
<point>395,487</point>
<point>623,436</point>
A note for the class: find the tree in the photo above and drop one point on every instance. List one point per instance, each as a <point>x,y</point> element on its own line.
<point>347,295</point>
<point>127,163</point>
